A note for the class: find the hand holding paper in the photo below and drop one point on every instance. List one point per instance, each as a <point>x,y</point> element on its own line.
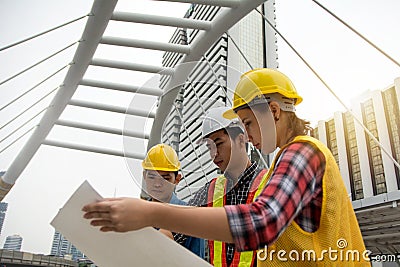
<point>145,247</point>
<point>118,214</point>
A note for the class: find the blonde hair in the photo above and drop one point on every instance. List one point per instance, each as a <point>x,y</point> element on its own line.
<point>296,125</point>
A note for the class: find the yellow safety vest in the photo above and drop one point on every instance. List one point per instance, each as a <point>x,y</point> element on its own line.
<point>336,242</point>
<point>216,198</point>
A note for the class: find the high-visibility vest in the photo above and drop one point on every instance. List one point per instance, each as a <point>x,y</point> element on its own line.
<point>217,198</point>
<point>338,229</point>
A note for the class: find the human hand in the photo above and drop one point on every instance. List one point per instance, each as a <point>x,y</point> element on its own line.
<point>118,214</point>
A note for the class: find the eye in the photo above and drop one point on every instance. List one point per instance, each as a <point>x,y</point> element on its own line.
<point>167,177</point>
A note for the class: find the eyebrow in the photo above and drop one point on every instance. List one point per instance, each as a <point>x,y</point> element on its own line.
<point>159,175</point>
<point>217,139</point>
<point>245,119</point>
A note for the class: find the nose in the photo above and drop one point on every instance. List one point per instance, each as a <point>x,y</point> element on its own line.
<point>250,138</point>
<point>158,182</point>
<point>213,152</point>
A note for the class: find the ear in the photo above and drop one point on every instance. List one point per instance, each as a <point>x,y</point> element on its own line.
<point>275,109</point>
<point>178,178</point>
<point>144,174</point>
<point>242,139</point>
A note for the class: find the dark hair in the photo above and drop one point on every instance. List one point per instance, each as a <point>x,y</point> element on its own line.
<point>233,132</point>
<point>175,172</point>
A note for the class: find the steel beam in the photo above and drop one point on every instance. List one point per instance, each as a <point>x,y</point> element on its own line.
<point>136,43</point>
<point>162,20</point>
<point>222,3</point>
<point>111,108</point>
<point>103,151</point>
<point>101,13</point>
<point>131,66</point>
<point>98,128</point>
<point>122,87</point>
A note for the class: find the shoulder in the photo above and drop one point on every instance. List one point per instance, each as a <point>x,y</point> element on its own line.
<point>304,147</point>
<point>200,197</point>
<point>177,201</point>
<point>304,152</point>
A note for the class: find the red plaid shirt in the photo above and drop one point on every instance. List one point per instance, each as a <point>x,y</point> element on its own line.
<point>294,192</point>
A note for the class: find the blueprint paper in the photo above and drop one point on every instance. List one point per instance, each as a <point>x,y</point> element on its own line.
<point>145,247</point>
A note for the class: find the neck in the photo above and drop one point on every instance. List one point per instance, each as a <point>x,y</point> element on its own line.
<point>283,136</point>
<point>238,169</point>
<point>164,200</point>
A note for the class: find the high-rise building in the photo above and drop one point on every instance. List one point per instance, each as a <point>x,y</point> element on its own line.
<point>211,84</point>
<point>370,170</point>
<point>366,167</point>
<point>3,211</point>
<point>13,242</point>
<point>62,247</point>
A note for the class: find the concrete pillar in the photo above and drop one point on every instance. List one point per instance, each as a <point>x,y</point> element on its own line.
<point>342,151</point>
<point>322,132</point>
<point>383,137</point>
<point>363,153</point>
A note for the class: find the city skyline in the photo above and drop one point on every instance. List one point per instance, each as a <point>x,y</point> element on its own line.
<point>61,247</point>
<point>13,242</point>
<point>369,163</point>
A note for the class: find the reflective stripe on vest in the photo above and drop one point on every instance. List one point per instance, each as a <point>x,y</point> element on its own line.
<point>217,198</point>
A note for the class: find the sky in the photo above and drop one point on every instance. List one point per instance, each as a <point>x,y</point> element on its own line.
<point>346,63</point>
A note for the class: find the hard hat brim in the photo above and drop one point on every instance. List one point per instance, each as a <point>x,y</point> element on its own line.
<point>230,114</point>
<point>148,168</point>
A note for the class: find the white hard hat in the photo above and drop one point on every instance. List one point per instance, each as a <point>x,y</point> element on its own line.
<point>214,121</point>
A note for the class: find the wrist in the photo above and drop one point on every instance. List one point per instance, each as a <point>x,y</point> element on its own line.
<point>153,214</point>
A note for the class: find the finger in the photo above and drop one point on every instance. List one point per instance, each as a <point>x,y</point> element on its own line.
<point>97,215</point>
<point>100,206</point>
<point>107,229</point>
<point>102,223</point>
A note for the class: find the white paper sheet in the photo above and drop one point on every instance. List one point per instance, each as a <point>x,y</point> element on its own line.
<point>145,247</point>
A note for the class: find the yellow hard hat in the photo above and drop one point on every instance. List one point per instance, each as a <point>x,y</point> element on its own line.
<point>161,157</point>
<point>259,82</point>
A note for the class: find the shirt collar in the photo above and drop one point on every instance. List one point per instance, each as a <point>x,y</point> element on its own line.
<point>245,177</point>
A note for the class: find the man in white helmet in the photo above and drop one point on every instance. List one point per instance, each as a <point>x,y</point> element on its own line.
<point>226,140</point>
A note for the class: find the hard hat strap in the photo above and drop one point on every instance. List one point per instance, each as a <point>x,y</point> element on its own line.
<point>286,104</point>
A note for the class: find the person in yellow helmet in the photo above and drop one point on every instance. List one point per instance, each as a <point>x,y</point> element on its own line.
<point>161,174</point>
<point>301,214</point>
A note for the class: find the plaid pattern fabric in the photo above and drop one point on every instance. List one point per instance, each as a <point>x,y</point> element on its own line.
<point>237,195</point>
<point>294,192</point>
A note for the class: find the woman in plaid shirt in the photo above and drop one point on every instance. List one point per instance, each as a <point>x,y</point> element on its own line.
<point>302,205</point>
